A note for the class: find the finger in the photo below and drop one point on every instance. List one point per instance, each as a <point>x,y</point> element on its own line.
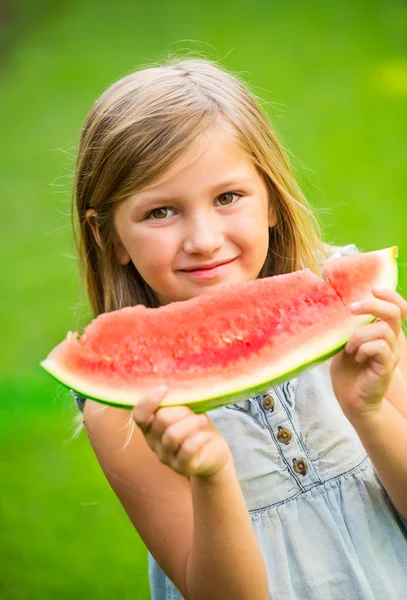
<point>167,416</point>
<point>381,309</point>
<point>377,350</point>
<point>374,331</point>
<point>143,412</point>
<point>204,456</point>
<point>392,296</point>
<point>189,453</point>
<point>177,433</point>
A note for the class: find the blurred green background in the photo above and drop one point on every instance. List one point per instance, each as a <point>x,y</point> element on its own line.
<point>334,77</point>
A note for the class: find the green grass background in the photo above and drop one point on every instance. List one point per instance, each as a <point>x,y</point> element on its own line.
<point>334,76</point>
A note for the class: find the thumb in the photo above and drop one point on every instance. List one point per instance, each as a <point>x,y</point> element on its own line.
<point>146,406</point>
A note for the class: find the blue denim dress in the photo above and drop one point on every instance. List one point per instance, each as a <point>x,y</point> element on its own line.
<point>326,527</point>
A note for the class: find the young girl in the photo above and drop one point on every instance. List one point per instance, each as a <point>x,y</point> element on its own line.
<point>300,493</point>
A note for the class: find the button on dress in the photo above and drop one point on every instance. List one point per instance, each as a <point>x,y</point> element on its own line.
<point>325,525</point>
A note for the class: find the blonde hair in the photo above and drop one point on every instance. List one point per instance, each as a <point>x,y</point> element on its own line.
<point>137,129</point>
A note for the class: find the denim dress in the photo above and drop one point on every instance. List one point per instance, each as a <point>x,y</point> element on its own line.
<point>325,525</point>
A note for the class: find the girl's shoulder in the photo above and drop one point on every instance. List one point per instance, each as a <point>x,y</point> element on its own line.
<point>331,251</point>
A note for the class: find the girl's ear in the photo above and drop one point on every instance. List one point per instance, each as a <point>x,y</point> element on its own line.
<point>122,255</point>
<point>90,217</point>
<point>272,220</point>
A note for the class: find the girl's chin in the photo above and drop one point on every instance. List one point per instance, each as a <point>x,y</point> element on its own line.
<point>189,294</point>
<point>190,286</point>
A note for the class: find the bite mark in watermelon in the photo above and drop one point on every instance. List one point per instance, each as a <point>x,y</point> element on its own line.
<point>220,348</point>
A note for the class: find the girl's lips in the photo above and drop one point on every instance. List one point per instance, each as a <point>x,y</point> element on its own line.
<point>209,273</point>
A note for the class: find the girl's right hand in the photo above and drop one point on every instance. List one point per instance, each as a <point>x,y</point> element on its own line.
<point>188,443</point>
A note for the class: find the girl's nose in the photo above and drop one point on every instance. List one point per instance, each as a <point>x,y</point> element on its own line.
<point>203,235</point>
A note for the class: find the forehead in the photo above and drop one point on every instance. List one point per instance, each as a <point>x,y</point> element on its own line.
<point>213,156</point>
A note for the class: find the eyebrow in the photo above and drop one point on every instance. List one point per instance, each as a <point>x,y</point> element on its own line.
<point>231,182</point>
<point>152,196</point>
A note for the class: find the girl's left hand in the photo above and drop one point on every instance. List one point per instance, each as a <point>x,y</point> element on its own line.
<point>362,372</point>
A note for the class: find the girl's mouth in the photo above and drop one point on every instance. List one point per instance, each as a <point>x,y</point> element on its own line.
<point>209,272</point>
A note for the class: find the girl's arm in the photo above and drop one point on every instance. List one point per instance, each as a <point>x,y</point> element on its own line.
<point>225,560</point>
<point>369,380</point>
<point>384,436</point>
<point>397,392</point>
<point>197,527</point>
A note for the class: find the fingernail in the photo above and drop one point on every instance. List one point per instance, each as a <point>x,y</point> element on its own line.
<point>355,306</point>
<point>378,289</point>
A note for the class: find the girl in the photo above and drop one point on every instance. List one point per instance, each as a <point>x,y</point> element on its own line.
<point>300,493</point>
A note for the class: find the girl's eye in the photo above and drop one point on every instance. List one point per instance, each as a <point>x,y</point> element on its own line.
<point>159,214</point>
<point>228,198</point>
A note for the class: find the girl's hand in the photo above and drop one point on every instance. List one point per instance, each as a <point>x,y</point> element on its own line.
<point>362,373</point>
<point>188,443</point>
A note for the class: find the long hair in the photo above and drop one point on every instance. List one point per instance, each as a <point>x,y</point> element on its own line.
<point>136,130</point>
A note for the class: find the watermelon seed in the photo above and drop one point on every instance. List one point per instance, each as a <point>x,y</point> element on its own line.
<point>155,368</point>
<point>239,337</point>
<point>226,339</point>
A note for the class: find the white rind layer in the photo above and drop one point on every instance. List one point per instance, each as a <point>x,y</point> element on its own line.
<point>389,275</point>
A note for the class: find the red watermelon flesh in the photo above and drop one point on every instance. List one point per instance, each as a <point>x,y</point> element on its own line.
<point>222,347</point>
<point>352,275</point>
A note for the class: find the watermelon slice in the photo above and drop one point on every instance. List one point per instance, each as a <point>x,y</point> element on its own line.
<point>220,348</point>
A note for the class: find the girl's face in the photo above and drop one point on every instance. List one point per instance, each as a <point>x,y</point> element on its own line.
<point>202,224</point>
